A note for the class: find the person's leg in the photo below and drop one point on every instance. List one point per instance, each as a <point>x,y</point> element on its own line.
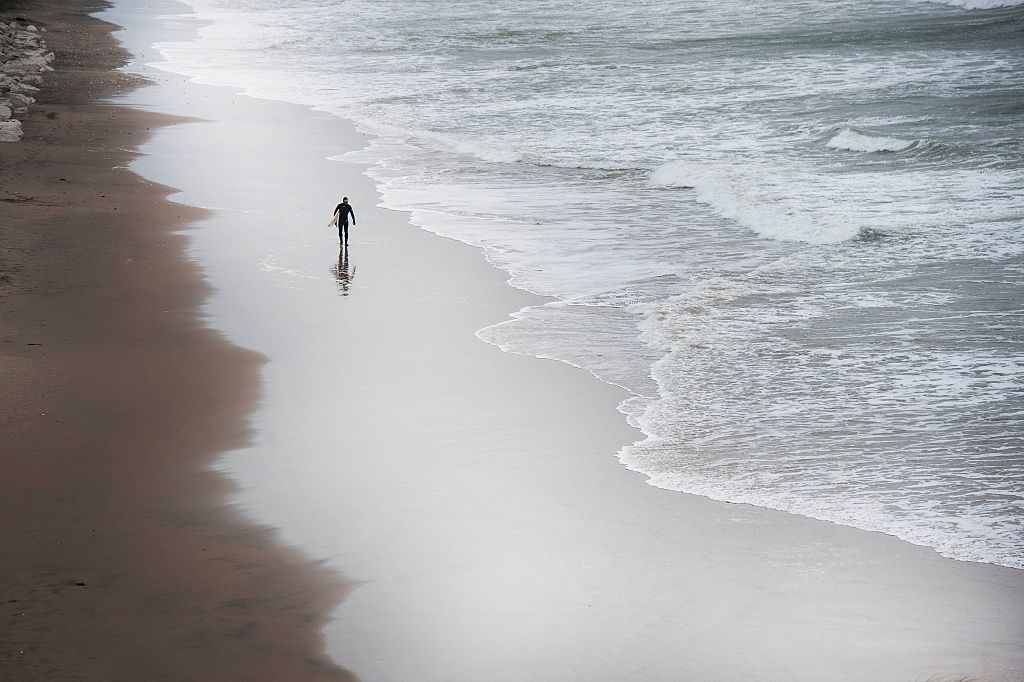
<point>341,232</point>
<point>345,227</point>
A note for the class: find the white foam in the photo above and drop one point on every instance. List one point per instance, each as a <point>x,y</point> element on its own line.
<point>980,4</point>
<point>855,142</point>
<point>480,149</point>
<point>774,206</point>
<point>780,357</point>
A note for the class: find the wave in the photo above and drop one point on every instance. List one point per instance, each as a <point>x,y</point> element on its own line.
<point>980,4</point>
<point>490,152</point>
<point>773,207</point>
<point>856,142</point>
<point>925,149</point>
<point>755,388</point>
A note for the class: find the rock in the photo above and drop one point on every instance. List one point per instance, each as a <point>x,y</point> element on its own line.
<point>10,131</point>
<point>18,100</point>
<point>24,88</point>
<point>33,61</point>
<point>23,60</point>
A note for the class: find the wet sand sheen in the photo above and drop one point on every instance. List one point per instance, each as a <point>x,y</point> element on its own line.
<point>122,557</point>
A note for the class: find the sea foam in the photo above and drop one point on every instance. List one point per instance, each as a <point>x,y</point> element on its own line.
<point>856,142</point>
<point>772,206</point>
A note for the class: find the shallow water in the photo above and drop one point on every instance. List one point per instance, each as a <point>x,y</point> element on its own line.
<point>791,229</point>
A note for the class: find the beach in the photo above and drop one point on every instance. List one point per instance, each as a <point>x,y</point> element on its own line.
<point>116,400</point>
<point>236,451</point>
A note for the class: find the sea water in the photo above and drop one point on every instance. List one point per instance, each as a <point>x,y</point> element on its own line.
<point>793,230</point>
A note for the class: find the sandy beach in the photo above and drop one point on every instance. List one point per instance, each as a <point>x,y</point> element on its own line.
<point>238,452</point>
<point>123,559</point>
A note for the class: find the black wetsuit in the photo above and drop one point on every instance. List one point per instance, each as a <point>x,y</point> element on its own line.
<point>343,211</point>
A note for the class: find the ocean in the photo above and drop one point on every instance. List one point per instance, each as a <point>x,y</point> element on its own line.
<point>793,230</point>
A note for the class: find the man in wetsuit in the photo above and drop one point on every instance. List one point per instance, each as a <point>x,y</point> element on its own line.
<point>343,211</point>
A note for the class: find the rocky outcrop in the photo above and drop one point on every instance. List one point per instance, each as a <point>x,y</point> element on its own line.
<point>23,60</point>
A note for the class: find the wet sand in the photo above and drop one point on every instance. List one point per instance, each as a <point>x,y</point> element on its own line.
<point>123,557</point>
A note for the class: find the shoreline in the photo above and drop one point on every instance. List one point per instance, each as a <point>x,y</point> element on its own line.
<point>475,493</point>
<point>124,558</point>
<point>908,522</point>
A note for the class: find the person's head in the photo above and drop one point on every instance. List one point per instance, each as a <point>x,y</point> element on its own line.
<point>344,200</point>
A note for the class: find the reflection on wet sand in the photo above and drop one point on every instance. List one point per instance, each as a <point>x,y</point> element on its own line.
<point>341,272</point>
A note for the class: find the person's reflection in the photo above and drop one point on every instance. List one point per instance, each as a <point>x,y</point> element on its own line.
<point>341,272</point>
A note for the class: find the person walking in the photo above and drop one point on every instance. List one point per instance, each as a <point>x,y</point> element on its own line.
<point>341,215</point>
